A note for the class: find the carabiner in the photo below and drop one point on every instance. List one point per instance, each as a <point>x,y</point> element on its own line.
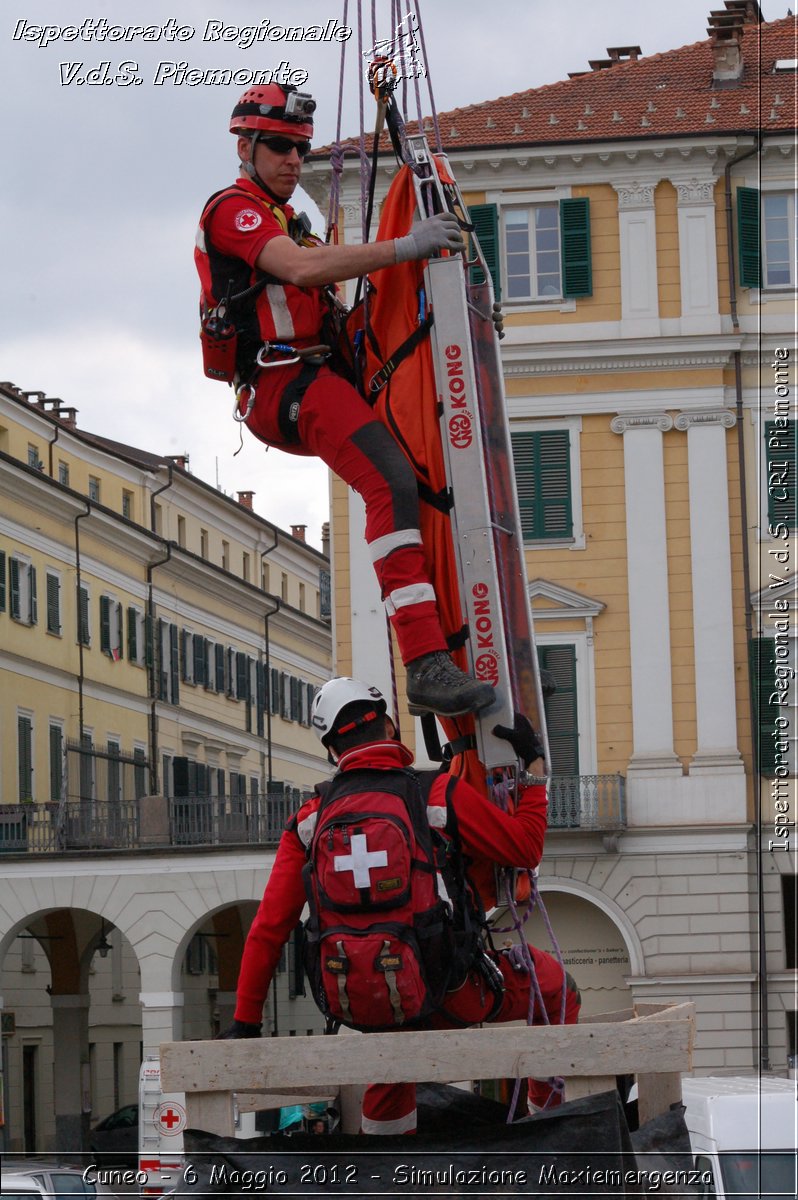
<point>239,414</point>
<point>267,348</point>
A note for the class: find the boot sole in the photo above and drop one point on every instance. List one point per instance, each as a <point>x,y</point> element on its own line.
<point>418,710</point>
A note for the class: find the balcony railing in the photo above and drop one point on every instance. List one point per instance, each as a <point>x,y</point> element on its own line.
<point>589,802</point>
<point>585,802</point>
<point>152,823</point>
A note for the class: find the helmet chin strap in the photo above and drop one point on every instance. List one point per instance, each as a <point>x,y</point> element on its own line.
<point>249,169</point>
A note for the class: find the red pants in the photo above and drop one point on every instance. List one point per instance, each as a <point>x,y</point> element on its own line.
<point>391,1107</point>
<point>336,425</point>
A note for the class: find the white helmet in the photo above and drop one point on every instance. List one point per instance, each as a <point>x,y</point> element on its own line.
<point>334,697</point>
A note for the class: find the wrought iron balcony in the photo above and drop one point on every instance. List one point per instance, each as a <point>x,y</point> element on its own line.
<point>147,824</point>
<point>587,802</point>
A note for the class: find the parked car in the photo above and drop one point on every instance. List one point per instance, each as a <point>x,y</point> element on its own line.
<point>116,1137</point>
<point>49,1178</point>
<point>20,1187</point>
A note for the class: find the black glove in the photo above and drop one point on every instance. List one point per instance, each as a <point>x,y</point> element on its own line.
<point>239,1029</point>
<point>523,737</point>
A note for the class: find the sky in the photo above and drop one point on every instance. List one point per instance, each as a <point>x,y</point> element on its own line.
<point>103,184</point>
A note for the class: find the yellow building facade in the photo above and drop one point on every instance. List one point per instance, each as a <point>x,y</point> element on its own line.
<point>634,379</point>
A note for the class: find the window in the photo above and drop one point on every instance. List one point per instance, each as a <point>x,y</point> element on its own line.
<point>781,466</point>
<point>264,576</point>
<point>789,906</point>
<point>94,488</point>
<point>767,238</point>
<point>204,543</point>
<point>114,772</point>
<point>181,532</point>
<point>140,771</point>
<point>168,662</point>
<point>22,602</point>
<point>63,473</point>
<point>56,762</point>
<point>225,556</point>
<point>136,643</point>
<point>537,251</point>
<point>561,708</point>
<point>283,586</point>
<point>775,697</point>
<point>25,756</point>
<point>532,252</point>
<point>302,600</point>
<point>779,238</point>
<point>33,458</point>
<point>84,629</point>
<point>245,568</point>
<point>53,603</point>
<point>542,463</point>
<point>127,505</point>
<point>111,627</point>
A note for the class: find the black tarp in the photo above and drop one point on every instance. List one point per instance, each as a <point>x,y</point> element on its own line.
<point>463,1147</point>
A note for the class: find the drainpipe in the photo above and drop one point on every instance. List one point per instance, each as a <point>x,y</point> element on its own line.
<point>153,748</point>
<point>267,667</point>
<point>152,680</point>
<point>762,972</point>
<point>50,445</point>
<point>79,517</point>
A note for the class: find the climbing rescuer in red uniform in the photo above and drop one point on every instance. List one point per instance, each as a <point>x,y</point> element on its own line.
<point>396,937</point>
<point>265,284</point>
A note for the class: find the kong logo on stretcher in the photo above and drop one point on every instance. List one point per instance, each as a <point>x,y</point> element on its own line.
<point>486,663</point>
<point>461,422</point>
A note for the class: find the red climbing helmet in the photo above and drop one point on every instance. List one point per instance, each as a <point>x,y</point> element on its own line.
<point>273,108</point>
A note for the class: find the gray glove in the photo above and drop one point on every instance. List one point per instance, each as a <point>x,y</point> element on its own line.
<point>441,232</point>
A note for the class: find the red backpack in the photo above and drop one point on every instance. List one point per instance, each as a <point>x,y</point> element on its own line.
<point>392,924</point>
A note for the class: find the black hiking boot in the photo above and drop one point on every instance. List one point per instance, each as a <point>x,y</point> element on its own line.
<point>436,684</point>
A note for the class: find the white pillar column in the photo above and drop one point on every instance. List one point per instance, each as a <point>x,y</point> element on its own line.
<point>161,1019</point>
<point>638,248</point>
<point>698,255</point>
<point>713,628</point>
<point>649,609</point>
<point>71,1083</point>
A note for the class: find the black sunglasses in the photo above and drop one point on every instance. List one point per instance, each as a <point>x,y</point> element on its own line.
<point>284,145</point>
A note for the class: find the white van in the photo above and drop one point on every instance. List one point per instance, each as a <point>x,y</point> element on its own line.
<point>743,1134</point>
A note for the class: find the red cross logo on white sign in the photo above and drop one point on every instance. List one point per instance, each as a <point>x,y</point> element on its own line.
<point>170,1118</point>
<point>361,860</point>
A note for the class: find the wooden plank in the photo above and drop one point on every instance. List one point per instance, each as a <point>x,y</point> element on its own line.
<point>262,1101</point>
<point>619,1014</point>
<point>656,1093</point>
<point>540,1051</point>
<point>577,1086</point>
<point>212,1110</point>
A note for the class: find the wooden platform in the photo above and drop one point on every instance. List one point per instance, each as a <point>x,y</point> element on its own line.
<point>652,1042</point>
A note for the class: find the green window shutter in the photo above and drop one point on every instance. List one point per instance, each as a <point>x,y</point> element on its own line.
<point>25,757</point>
<point>242,676</point>
<point>132,635</point>
<point>105,625</point>
<point>174,665</point>
<point>149,649</point>
<point>219,667</point>
<point>749,242</point>
<point>56,761</point>
<point>186,648</point>
<point>485,219</point>
<point>561,708</point>
<point>13,578</point>
<point>542,466</point>
<point>2,581</point>
<point>118,649</point>
<point>33,599</point>
<point>53,604</point>
<point>83,616</point>
<point>577,272</point>
<point>161,660</point>
<point>198,654</point>
<point>139,772</point>
<point>762,666</point>
<point>781,459</point>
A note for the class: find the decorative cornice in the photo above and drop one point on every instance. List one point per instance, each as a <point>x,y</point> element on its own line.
<point>695,191</point>
<point>635,195</point>
<point>626,421</point>
<point>595,366</point>
<point>714,416</point>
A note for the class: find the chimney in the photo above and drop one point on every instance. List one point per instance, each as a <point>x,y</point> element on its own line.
<point>245,499</point>
<point>726,33</point>
<point>298,531</point>
<point>69,417</point>
<point>325,539</point>
<point>180,460</point>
